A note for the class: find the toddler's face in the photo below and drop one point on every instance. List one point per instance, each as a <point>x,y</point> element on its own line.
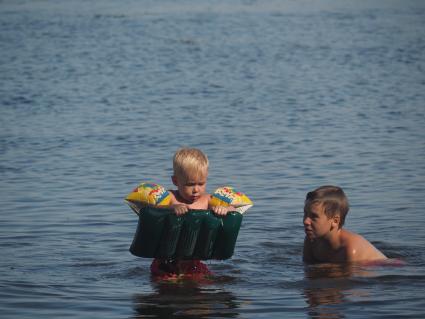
<point>191,188</point>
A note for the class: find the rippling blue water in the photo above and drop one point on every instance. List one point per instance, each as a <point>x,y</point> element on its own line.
<point>283,96</point>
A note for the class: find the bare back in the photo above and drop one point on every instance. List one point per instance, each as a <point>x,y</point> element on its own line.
<point>358,248</point>
<point>343,248</point>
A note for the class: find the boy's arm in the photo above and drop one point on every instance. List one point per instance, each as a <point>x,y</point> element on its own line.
<point>180,209</point>
<point>308,252</point>
<point>221,210</point>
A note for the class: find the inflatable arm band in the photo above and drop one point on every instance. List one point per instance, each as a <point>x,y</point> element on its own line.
<point>147,194</point>
<point>228,196</point>
<point>198,234</point>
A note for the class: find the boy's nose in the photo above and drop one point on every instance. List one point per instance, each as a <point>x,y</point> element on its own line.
<point>306,220</point>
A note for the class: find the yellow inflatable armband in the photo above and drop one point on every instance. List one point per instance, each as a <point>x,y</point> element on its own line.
<point>228,196</point>
<point>147,194</point>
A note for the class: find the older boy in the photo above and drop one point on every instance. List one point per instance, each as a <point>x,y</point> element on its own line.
<point>326,241</point>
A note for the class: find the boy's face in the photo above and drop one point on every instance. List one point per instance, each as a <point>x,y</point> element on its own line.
<point>316,223</point>
<point>191,188</point>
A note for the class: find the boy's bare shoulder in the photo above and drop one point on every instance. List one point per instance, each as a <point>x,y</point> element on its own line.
<point>359,248</point>
<point>353,244</point>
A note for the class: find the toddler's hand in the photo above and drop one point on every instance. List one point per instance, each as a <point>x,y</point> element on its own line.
<point>220,210</point>
<point>180,209</point>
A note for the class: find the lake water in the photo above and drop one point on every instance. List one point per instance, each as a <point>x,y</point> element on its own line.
<point>283,96</point>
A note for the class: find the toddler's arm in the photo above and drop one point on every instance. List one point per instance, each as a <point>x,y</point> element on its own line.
<point>222,210</point>
<point>180,209</point>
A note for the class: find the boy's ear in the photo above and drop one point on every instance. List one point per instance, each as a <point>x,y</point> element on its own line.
<point>174,180</point>
<point>336,220</point>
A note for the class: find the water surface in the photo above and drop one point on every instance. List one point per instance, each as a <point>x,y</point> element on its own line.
<point>282,96</point>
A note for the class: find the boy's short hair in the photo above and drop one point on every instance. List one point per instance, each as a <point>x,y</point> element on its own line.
<point>188,162</point>
<point>333,200</point>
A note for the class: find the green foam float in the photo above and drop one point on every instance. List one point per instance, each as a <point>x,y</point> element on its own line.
<point>198,234</point>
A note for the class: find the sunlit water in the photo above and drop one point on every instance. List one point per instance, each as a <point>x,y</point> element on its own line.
<point>283,96</point>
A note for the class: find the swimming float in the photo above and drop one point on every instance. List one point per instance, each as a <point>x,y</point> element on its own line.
<point>198,234</point>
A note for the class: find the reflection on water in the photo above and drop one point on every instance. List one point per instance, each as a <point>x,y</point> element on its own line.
<point>328,271</point>
<point>331,290</point>
<point>185,300</point>
<point>329,285</point>
<point>321,301</point>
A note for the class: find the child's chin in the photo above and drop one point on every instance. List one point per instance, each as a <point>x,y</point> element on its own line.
<point>310,237</point>
<point>193,199</point>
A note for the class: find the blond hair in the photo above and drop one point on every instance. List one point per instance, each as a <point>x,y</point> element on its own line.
<point>189,162</point>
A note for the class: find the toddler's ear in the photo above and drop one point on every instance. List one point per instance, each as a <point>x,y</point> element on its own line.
<point>174,180</point>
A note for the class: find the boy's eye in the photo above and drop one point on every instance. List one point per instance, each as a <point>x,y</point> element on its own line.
<point>311,215</point>
<point>194,184</point>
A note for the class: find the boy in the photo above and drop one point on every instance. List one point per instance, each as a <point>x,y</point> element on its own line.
<point>190,175</point>
<point>326,241</point>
